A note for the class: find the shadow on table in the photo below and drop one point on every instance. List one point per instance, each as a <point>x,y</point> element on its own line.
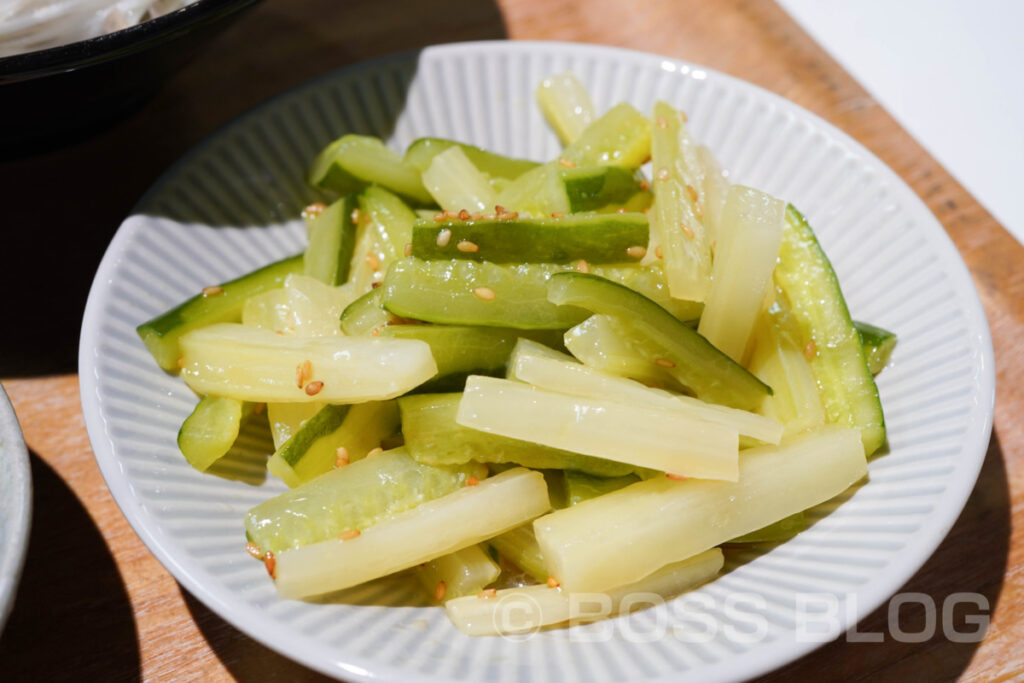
<point>972,559</point>
<point>62,207</point>
<point>72,619</point>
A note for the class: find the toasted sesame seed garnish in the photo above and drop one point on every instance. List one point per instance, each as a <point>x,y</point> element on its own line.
<point>810,350</point>
<point>181,362</point>
<point>661,122</point>
<point>472,481</point>
<point>341,457</point>
<point>553,582</point>
<point>511,216</point>
<point>567,163</point>
<point>349,534</point>
<point>270,563</point>
<point>408,249</point>
<point>686,230</point>
<point>464,215</point>
<point>444,237</point>
<point>373,261</point>
<point>499,210</point>
<point>254,550</point>
<point>692,192</point>
<point>451,214</point>
<point>557,214</point>
<point>439,590</point>
<point>664,362</point>
<point>636,251</point>
<point>313,210</point>
<point>212,291</point>
<point>487,593</point>
<point>675,477</point>
<point>313,388</point>
<point>644,185</point>
<point>258,408</point>
<point>467,246</point>
<point>354,215</point>
<point>485,293</point>
<point>374,285</point>
<point>374,451</point>
<point>662,173</point>
<point>582,266</point>
<point>303,373</point>
<point>440,217</point>
<point>375,332</point>
<point>659,252</point>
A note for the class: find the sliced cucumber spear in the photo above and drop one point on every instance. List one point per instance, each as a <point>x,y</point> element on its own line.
<point>210,431</point>
<point>352,162</point>
<point>878,345</point>
<point>848,390</point>
<point>216,304</point>
<point>691,359</point>
<point>332,238</point>
<point>421,153</point>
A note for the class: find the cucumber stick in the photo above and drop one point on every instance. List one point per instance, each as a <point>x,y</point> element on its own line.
<point>390,217</point>
<point>464,572</point>
<point>421,153</point>
<point>811,288</point>
<point>430,530</point>
<point>691,359</point>
<point>352,162</point>
<point>600,238</point>
<point>210,431</point>
<point>433,436</point>
<point>519,546</point>
<point>332,239</point>
<point>351,497</point>
<point>256,365</point>
<point>315,447</point>
<point>621,137</point>
<point>456,184</point>
<point>222,303</point>
<point>365,314</point>
<point>566,105</point>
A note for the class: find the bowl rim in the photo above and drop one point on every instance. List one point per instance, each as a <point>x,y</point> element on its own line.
<point>27,66</point>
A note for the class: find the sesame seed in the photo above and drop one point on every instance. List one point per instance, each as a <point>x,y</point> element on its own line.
<point>451,214</point>
<point>664,362</point>
<point>408,249</point>
<point>439,590</point>
<point>686,231</point>
<point>675,477</point>
<point>644,185</point>
<point>582,266</point>
<point>662,174</point>
<point>467,246</point>
<point>254,550</point>
<point>181,362</point>
<point>439,217</point>
<point>636,251</point>
<point>303,372</point>
<point>349,534</point>
<point>472,481</point>
<point>512,216</point>
<point>810,350</point>
<point>692,192</point>
<point>444,237</point>
<point>567,163</point>
<point>553,582</point>
<point>557,214</point>
<point>659,252</point>
<point>485,293</point>
<point>499,210</point>
<point>374,285</point>
<point>374,451</point>
<point>313,388</point>
<point>313,210</point>
<point>487,593</point>
<point>375,331</point>
<point>373,261</point>
<point>212,291</point>
<point>662,122</point>
<point>341,457</point>
<point>464,215</point>
<point>270,563</point>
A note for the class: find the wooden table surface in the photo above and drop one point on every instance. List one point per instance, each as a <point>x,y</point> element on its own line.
<point>93,604</point>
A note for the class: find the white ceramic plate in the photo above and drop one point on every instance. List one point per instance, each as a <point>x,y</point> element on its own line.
<point>15,504</point>
<point>231,205</point>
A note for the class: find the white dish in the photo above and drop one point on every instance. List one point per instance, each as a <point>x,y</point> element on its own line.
<point>15,505</point>
<point>897,266</point>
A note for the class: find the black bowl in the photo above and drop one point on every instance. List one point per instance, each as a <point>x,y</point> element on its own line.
<point>55,96</point>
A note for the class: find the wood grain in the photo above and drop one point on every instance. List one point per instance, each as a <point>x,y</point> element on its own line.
<point>95,605</point>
